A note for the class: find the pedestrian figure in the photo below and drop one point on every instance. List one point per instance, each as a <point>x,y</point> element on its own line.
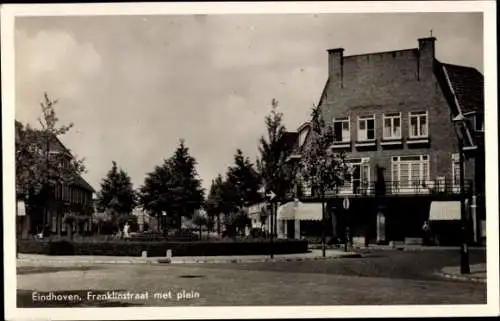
<point>426,229</point>
<point>126,229</point>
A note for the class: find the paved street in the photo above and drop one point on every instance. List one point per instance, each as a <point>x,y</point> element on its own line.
<point>382,277</point>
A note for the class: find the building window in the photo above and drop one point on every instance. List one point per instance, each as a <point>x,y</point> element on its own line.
<point>341,130</point>
<point>392,126</point>
<point>366,128</point>
<point>419,124</point>
<point>359,178</point>
<point>455,169</point>
<point>410,171</point>
<point>302,136</point>
<point>478,122</point>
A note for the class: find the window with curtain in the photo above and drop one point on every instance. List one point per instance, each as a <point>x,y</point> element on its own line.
<point>419,124</point>
<point>392,126</point>
<point>410,171</point>
<point>341,129</point>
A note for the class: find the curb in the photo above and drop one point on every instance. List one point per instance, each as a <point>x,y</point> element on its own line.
<point>460,277</point>
<point>198,261</point>
<point>263,260</point>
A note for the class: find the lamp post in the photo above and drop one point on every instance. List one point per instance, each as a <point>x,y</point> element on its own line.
<point>464,250</point>
<point>164,223</point>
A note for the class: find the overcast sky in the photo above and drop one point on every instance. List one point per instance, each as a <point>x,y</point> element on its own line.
<point>135,85</point>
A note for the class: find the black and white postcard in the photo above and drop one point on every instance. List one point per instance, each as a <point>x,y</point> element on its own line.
<point>250,160</point>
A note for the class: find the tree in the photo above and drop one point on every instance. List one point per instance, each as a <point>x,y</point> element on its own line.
<point>276,173</point>
<point>272,165</point>
<point>42,161</point>
<point>187,193</point>
<point>155,195</point>
<point>173,188</point>
<point>214,204</point>
<point>236,222</point>
<point>116,195</point>
<point>244,181</point>
<point>200,220</point>
<point>320,166</point>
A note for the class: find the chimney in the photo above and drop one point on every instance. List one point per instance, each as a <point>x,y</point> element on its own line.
<point>335,66</point>
<point>426,54</point>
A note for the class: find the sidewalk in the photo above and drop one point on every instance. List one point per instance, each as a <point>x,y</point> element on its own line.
<point>40,260</point>
<point>416,247</point>
<point>477,273</point>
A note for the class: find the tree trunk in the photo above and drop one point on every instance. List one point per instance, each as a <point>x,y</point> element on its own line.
<point>323,241</point>
<point>218,223</point>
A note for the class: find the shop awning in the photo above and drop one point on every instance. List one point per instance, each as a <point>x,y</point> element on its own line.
<point>300,211</point>
<point>308,212</point>
<point>286,211</point>
<point>445,211</point>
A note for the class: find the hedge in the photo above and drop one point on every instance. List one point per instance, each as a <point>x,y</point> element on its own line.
<point>156,249</point>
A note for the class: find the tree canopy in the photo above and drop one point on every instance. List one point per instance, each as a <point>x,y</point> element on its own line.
<point>173,187</point>
<point>42,161</point>
<point>321,167</point>
<point>117,195</point>
<point>272,164</point>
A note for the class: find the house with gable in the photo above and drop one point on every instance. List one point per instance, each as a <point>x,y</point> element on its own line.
<point>394,114</point>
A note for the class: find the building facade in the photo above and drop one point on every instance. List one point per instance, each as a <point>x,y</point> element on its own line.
<point>392,115</point>
<point>67,207</point>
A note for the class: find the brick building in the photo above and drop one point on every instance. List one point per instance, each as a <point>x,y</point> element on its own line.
<point>74,198</point>
<point>391,113</point>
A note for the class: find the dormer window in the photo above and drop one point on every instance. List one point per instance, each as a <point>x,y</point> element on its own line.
<point>302,136</point>
<point>341,130</point>
<point>476,119</point>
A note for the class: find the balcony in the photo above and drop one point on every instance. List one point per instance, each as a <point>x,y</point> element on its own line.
<point>395,188</point>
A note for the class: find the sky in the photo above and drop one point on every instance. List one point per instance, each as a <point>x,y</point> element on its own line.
<point>134,85</point>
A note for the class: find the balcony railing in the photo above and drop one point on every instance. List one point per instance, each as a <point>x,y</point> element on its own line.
<point>437,187</point>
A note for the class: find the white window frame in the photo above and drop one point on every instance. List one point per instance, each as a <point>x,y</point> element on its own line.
<point>342,120</point>
<point>365,119</point>
<point>424,160</point>
<point>302,136</point>
<point>419,114</point>
<point>455,181</point>
<point>392,116</point>
<point>347,188</point>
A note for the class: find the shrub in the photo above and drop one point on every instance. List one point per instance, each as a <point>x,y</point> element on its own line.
<point>135,248</point>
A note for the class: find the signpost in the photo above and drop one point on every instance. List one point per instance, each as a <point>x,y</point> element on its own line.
<point>346,205</point>
<point>271,196</point>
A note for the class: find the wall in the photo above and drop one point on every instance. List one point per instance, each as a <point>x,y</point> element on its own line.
<point>393,82</point>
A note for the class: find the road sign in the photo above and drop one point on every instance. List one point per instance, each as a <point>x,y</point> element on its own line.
<point>271,195</point>
<point>345,203</point>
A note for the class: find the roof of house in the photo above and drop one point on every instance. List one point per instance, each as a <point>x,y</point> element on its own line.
<point>81,182</point>
<point>57,145</point>
<point>468,85</point>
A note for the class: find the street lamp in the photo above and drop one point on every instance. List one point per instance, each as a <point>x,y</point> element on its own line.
<point>459,121</point>
<point>164,221</point>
